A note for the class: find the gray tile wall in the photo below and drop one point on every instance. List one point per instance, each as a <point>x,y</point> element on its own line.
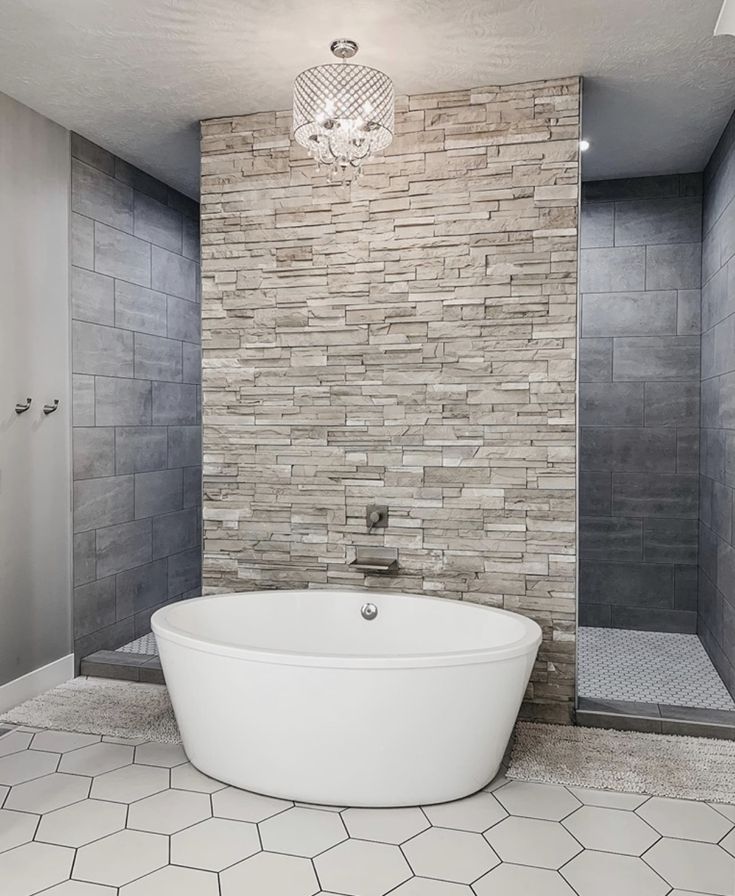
<point>639,402</point>
<point>136,358</point>
<point>717,483</point>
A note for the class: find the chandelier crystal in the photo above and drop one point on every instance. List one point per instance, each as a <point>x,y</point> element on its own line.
<point>343,113</point>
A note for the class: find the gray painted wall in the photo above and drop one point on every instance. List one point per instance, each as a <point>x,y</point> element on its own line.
<point>136,360</point>
<point>35,455</point>
<point>639,402</point>
<point>717,484</point>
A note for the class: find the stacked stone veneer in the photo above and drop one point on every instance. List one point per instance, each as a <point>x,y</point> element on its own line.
<point>412,343</point>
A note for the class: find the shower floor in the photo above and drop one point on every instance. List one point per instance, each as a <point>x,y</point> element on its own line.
<point>648,667</point>
<point>146,645</point>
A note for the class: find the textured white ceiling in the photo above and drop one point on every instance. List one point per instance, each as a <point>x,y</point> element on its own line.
<point>137,75</point>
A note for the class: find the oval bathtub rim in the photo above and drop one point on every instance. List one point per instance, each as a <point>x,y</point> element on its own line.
<point>527,644</point>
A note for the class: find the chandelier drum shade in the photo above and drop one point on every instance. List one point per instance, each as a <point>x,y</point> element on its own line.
<point>343,113</point>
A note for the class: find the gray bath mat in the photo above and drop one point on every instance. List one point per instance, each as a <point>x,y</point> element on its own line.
<point>693,768</point>
<point>102,706</point>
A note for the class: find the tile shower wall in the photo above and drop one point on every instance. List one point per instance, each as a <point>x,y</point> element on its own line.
<point>717,484</point>
<point>137,371</point>
<point>639,402</point>
<point>412,343</point>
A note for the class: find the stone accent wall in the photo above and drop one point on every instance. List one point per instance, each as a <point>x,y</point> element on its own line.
<point>641,247</point>
<point>136,360</point>
<point>412,343</point>
<point>717,483</point>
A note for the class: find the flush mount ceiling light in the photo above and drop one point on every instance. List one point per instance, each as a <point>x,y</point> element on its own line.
<point>343,113</point>
<point>726,19</point>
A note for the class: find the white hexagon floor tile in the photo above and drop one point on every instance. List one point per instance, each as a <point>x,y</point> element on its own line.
<point>241,805</point>
<point>26,765</point>
<point>169,811</point>
<point>96,759</point>
<point>302,832</point>
<point>608,799</point>
<point>62,741</point>
<point>549,802</point>
<point>424,886</point>
<point>604,874</point>
<point>15,742</point>
<point>268,872</point>
<point>476,813</point>
<point>130,783</point>
<point>175,881</point>
<point>80,888</point>
<point>531,841</point>
<point>215,844</point>
<point>610,830</point>
<point>34,867</point>
<point>164,755</point>
<point>385,825</point>
<point>121,858</point>
<point>518,880</point>
<point>186,777</point>
<point>81,823</point>
<point>728,843</point>
<point>685,819</point>
<point>362,868</point>
<point>16,828</point>
<point>457,856</point>
<point>691,865</point>
<point>48,793</point>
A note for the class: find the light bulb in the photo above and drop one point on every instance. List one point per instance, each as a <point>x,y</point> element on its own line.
<point>584,145</point>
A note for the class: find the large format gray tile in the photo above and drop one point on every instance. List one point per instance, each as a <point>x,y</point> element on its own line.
<point>670,541</point>
<point>184,572</point>
<point>157,358</point>
<point>82,241</point>
<point>99,196</point>
<point>139,449</point>
<point>595,493</point>
<point>175,532</point>
<point>597,225</point>
<point>689,312</point>
<point>92,297</point>
<point>121,255</point>
<point>123,547</point>
<point>91,154</point>
<point>611,538</point>
<point>672,404</point>
<point>654,221</point>
<point>184,446</point>
<point>103,502</point>
<point>595,360</point>
<point>141,587</point>
<point>611,404</point>
<point>158,492</point>
<point>630,314</point>
<point>183,319</point>
<point>627,584</point>
<point>655,494</point>
<point>85,563</point>
<point>632,449</point>
<point>157,223</point>
<point>101,350</point>
<point>122,402</point>
<point>607,270</point>
<point>83,400</point>
<point>191,238</point>
<point>94,606</point>
<point>174,274</point>
<point>174,404</point>
<point>141,309</point>
<point>93,452</point>
<point>656,358</point>
<point>674,266</point>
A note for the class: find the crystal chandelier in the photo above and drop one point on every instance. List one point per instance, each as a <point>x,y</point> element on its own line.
<point>343,113</point>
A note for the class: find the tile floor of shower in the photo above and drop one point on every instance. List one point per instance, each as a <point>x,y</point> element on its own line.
<point>84,815</point>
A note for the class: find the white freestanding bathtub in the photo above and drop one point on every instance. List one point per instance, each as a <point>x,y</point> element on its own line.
<point>296,694</point>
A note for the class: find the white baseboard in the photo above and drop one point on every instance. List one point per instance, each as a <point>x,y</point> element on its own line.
<point>34,683</point>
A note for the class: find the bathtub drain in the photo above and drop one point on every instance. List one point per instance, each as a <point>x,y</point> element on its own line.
<point>369,612</point>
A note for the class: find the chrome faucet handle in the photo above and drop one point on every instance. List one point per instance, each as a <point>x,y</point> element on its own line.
<point>50,408</point>
<point>22,408</point>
